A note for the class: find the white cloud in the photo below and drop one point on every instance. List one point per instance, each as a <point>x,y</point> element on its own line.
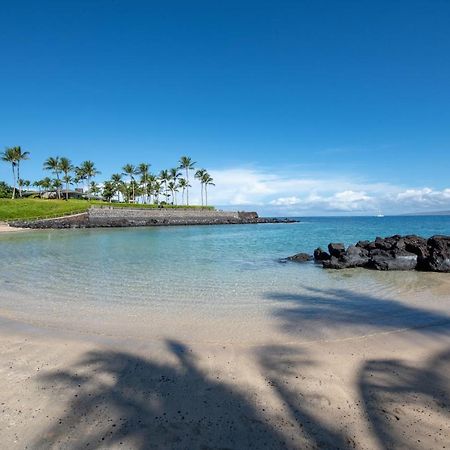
<point>296,193</point>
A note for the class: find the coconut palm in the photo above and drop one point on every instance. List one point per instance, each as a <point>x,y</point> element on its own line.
<point>131,171</point>
<point>150,186</point>
<point>156,190</point>
<point>173,188</point>
<point>164,176</point>
<point>89,171</point>
<point>67,178</point>
<point>46,184</point>
<point>108,190</point>
<point>22,183</point>
<point>56,184</point>
<point>116,180</point>
<point>207,181</point>
<point>20,156</point>
<point>199,175</point>
<point>94,188</point>
<point>184,185</point>
<point>38,184</point>
<point>79,176</point>
<point>10,156</point>
<point>187,164</point>
<point>52,164</point>
<point>143,170</point>
<point>65,165</point>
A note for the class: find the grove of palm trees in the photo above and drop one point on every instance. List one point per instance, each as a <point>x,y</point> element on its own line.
<point>133,184</point>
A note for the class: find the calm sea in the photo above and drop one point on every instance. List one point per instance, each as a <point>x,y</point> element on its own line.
<point>213,269</point>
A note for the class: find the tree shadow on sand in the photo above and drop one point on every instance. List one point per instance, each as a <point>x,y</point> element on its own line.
<point>285,368</point>
<point>122,400</point>
<point>408,407</point>
<point>322,309</point>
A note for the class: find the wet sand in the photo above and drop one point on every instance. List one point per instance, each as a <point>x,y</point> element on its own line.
<point>370,382</point>
<point>5,228</point>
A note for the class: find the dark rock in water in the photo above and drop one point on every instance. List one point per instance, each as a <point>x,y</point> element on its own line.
<point>390,253</point>
<point>333,263</point>
<point>439,254</point>
<point>392,260</point>
<point>353,257</point>
<point>336,249</point>
<point>418,246</point>
<point>300,257</point>
<point>321,255</point>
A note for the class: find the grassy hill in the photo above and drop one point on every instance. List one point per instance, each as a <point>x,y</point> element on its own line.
<point>33,208</point>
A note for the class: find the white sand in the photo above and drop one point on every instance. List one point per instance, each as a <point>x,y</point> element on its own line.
<point>388,389</point>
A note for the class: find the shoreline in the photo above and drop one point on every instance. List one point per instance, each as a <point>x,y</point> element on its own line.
<point>6,228</point>
<point>111,217</point>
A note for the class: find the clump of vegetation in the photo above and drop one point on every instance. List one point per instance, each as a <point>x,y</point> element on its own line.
<point>6,191</point>
<point>134,184</point>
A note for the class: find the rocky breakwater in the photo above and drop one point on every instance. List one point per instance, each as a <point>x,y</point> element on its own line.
<point>390,253</point>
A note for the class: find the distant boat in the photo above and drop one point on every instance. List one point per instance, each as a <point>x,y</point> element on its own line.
<point>380,215</point>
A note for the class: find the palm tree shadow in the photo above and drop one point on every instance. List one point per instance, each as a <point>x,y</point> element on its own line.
<point>399,397</point>
<point>283,367</point>
<point>323,309</point>
<point>123,399</point>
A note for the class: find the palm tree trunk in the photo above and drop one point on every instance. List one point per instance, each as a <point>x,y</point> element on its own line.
<point>206,194</point>
<point>187,187</point>
<point>18,178</point>
<point>14,182</point>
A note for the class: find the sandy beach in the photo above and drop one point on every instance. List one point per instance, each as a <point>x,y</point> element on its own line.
<point>5,228</point>
<point>380,390</point>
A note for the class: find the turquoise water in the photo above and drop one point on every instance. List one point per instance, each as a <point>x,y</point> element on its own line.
<point>217,269</point>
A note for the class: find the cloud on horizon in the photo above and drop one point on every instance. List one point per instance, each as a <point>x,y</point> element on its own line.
<point>302,193</point>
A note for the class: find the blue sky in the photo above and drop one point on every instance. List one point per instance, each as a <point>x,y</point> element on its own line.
<point>296,107</point>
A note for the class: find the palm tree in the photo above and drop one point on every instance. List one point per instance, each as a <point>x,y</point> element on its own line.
<point>56,183</point>
<point>9,156</point>
<point>116,179</point>
<point>143,172</point>
<point>94,188</point>
<point>184,185</point>
<point>108,190</point>
<point>164,176</point>
<point>79,175</point>
<point>173,187</point>
<point>156,189</point>
<point>187,164</point>
<point>199,175</point>
<point>207,181</point>
<point>131,171</point>
<point>174,175</point>
<point>65,165</point>
<point>89,171</point>
<point>52,164</point>
<point>20,156</point>
<point>38,184</point>
<point>67,178</point>
<point>46,184</point>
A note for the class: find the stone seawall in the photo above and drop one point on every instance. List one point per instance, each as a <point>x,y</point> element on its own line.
<point>135,217</point>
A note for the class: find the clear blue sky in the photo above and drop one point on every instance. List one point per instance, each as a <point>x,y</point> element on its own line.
<point>353,96</point>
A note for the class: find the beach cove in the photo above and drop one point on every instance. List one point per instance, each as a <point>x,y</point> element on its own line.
<point>197,337</point>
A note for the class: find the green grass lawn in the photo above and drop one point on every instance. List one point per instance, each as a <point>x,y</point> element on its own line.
<point>33,208</point>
